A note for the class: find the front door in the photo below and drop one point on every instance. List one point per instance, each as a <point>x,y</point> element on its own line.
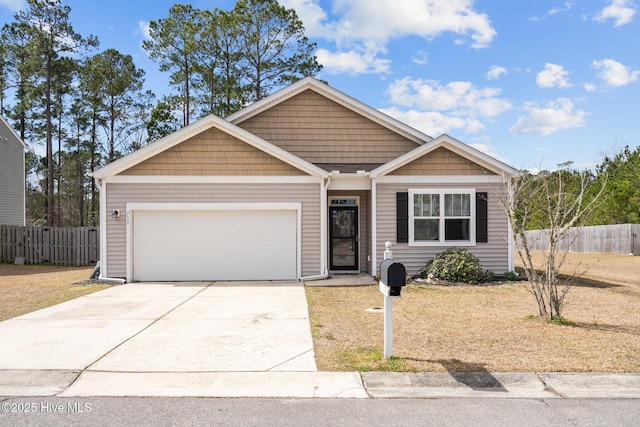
<point>343,235</point>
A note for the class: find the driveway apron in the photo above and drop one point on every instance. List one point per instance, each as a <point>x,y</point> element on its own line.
<point>169,328</point>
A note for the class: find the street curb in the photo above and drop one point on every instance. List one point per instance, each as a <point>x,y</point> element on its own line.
<point>502,385</point>
<point>351,385</point>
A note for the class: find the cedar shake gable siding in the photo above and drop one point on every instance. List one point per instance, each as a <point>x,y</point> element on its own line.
<point>442,162</point>
<point>319,130</point>
<point>213,153</point>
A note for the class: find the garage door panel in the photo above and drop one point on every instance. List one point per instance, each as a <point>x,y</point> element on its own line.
<point>215,245</point>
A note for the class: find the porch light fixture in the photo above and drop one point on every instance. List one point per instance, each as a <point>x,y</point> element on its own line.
<point>115,214</point>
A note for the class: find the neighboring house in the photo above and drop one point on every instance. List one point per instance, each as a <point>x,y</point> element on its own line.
<point>12,178</point>
<point>304,182</point>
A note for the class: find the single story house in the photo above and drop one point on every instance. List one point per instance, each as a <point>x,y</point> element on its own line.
<point>12,176</point>
<point>303,183</point>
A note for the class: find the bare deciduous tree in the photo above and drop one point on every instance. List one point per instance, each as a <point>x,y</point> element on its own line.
<point>562,201</point>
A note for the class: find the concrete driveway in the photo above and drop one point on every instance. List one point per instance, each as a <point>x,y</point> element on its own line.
<point>168,339</point>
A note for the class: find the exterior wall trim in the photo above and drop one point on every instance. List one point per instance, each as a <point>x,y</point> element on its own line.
<point>350,182</point>
<point>222,179</point>
<point>324,250</point>
<point>374,228</point>
<point>104,262</point>
<point>440,179</point>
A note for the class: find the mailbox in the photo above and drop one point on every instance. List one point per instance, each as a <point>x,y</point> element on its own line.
<point>394,275</point>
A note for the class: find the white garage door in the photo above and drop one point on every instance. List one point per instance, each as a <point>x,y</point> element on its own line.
<point>183,245</point>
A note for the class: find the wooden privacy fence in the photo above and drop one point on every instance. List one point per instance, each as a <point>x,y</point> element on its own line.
<point>615,239</point>
<point>78,246</point>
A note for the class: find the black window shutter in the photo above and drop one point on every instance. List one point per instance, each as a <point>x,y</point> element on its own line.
<point>402,217</point>
<point>482,232</point>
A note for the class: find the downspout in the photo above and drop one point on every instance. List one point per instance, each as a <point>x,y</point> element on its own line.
<point>324,271</point>
<point>103,235</point>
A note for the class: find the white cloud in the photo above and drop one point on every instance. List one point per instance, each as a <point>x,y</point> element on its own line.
<point>553,75</point>
<point>555,116</point>
<point>615,73</point>
<point>460,98</point>
<point>352,62</point>
<point>495,72</point>
<point>426,18</point>
<point>621,11</point>
<point>311,14</point>
<point>420,58</point>
<point>433,108</point>
<point>556,10</point>
<point>434,123</point>
<point>359,24</point>
<point>589,87</point>
<point>13,5</point>
<point>143,26</point>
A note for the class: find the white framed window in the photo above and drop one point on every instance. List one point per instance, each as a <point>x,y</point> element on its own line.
<point>442,216</point>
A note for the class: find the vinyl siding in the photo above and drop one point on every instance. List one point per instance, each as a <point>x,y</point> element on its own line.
<point>12,184</point>
<point>119,194</point>
<point>213,152</point>
<point>320,130</point>
<point>442,162</point>
<point>364,224</point>
<point>494,255</point>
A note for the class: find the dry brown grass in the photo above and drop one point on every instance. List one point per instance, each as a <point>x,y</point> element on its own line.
<point>25,288</point>
<point>485,328</point>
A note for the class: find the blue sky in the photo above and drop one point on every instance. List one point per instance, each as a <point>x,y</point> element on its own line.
<point>534,84</point>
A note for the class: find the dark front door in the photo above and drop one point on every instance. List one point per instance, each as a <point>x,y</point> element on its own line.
<point>343,234</point>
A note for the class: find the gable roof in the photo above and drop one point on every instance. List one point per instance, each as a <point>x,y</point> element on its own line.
<point>13,131</point>
<point>208,122</point>
<point>310,83</point>
<point>449,143</point>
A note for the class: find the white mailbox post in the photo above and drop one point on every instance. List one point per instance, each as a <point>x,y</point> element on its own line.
<point>392,279</point>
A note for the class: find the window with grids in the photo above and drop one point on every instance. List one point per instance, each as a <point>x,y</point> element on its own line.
<point>441,216</point>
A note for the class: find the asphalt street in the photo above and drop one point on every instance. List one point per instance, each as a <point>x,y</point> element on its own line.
<point>129,411</point>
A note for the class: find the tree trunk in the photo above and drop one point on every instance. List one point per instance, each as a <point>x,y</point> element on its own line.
<point>50,202</point>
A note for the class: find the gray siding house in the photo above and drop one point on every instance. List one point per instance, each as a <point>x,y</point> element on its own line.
<point>301,184</point>
<point>12,176</point>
